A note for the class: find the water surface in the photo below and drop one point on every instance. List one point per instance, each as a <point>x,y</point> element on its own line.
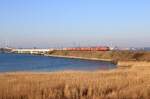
<point>25,62</point>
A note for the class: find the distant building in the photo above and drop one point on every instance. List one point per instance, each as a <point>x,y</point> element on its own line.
<point>32,51</point>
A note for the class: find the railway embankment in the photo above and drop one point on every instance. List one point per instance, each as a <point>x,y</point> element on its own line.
<point>108,55</point>
<point>123,59</point>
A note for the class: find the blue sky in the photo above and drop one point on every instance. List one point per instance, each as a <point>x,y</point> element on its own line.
<point>55,23</point>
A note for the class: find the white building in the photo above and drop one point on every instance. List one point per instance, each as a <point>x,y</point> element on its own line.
<point>32,51</point>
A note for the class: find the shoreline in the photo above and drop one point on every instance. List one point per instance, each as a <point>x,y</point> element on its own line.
<point>120,64</point>
<point>128,64</point>
<point>74,57</point>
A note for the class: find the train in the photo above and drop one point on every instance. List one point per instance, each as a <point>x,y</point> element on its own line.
<point>103,48</point>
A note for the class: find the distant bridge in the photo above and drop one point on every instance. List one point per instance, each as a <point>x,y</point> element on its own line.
<point>32,51</point>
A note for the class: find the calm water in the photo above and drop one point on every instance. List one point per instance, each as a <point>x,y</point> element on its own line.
<point>24,62</point>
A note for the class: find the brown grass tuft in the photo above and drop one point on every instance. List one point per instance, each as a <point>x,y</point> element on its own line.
<point>114,84</point>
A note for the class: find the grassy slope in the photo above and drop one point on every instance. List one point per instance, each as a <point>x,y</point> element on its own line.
<point>115,55</point>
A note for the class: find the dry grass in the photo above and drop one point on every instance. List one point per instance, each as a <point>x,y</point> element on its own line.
<point>133,83</point>
<point>114,55</point>
<point>135,64</point>
<point>114,84</point>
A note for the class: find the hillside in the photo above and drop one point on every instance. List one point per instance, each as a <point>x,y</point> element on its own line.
<point>114,55</point>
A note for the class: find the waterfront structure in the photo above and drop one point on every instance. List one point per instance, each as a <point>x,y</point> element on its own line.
<point>32,51</point>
